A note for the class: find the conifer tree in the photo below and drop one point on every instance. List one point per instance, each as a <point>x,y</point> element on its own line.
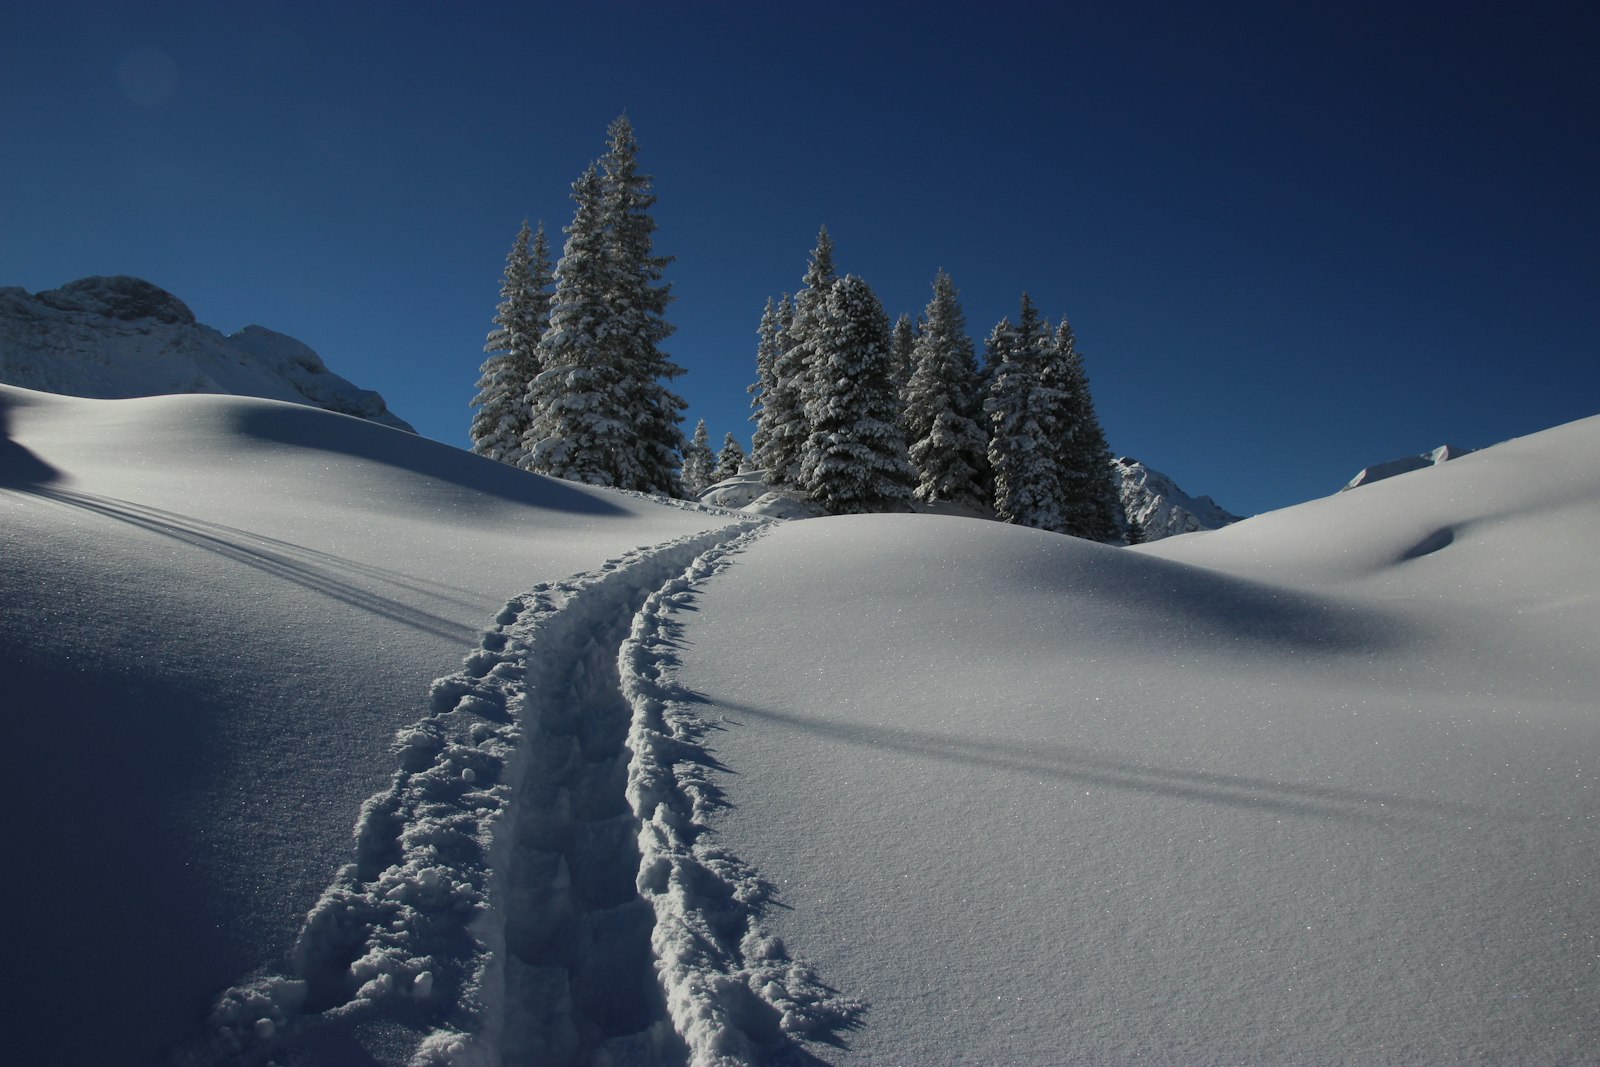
<point>697,462</point>
<point>766,392</point>
<point>1090,503</point>
<point>1023,410</point>
<point>943,408</point>
<point>583,402</point>
<point>503,416</point>
<point>902,343</point>
<point>730,461</point>
<point>854,456</point>
<point>788,428</point>
<point>639,304</point>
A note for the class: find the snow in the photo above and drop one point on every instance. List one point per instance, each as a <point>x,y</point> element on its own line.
<point>125,337</point>
<point>664,785</point>
<point>1160,507</point>
<point>1404,465</point>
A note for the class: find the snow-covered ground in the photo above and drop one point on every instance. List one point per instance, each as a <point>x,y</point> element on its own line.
<point>640,783</point>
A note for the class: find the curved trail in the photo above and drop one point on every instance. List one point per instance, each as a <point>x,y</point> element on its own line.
<point>534,886</point>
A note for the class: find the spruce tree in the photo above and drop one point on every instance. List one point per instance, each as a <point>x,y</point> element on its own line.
<point>584,400</point>
<point>1090,503</point>
<point>1023,410</point>
<point>765,392</point>
<point>503,417</point>
<point>789,428</point>
<point>902,345</point>
<point>697,462</point>
<point>854,457</point>
<point>639,303</point>
<point>943,409</point>
<point>730,461</point>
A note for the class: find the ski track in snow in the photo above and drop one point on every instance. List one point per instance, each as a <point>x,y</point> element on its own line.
<point>537,885</point>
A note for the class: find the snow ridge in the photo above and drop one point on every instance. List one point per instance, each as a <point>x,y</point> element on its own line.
<point>492,909</point>
<point>733,993</point>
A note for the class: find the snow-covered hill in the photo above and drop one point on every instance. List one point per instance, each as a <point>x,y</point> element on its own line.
<point>1160,507</point>
<point>663,786</point>
<point>111,337</point>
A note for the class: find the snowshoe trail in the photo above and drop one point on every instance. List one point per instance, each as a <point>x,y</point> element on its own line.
<point>535,886</point>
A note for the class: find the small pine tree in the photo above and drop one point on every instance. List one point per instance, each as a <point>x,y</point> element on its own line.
<point>697,462</point>
<point>503,416</point>
<point>1135,534</point>
<point>1023,410</point>
<point>854,458</point>
<point>789,428</point>
<point>943,409</point>
<point>730,461</point>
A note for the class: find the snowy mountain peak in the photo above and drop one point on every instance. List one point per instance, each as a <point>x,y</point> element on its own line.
<point>117,337</point>
<point>1379,471</point>
<point>1161,507</point>
<point>118,297</point>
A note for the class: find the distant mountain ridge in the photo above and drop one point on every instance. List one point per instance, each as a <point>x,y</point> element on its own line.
<point>1404,465</point>
<point>1160,507</point>
<point>117,337</point>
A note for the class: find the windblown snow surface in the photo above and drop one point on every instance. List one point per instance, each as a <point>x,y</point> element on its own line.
<point>331,745</point>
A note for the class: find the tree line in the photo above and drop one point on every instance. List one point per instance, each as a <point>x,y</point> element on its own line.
<point>850,412</point>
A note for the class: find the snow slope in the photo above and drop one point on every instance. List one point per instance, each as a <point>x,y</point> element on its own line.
<point>1320,787</point>
<point>110,337</point>
<point>633,783</point>
<point>217,612</point>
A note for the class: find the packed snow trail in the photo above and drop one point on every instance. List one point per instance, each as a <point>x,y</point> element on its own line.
<point>522,892</point>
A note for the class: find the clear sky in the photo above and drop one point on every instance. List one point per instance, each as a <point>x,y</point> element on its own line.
<point>1293,238</point>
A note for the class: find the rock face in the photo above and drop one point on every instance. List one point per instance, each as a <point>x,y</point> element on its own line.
<point>1160,507</point>
<point>1379,471</point>
<point>116,337</point>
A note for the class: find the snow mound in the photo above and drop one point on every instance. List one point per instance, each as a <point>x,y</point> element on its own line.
<point>119,337</point>
<point>748,492</point>
<point>1164,510</point>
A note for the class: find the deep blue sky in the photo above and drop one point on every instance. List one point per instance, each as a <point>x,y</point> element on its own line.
<point>1293,238</point>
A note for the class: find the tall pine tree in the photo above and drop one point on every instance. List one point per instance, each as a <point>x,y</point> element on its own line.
<point>854,457</point>
<point>788,427</point>
<point>639,305</point>
<point>1090,502</point>
<point>503,416</point>
<point>943,409</point>
<point>583,402</point>
<point>766,393</point>
<point>1023,410</point>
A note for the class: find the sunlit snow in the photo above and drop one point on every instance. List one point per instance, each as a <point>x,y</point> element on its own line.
<point>669,785</point>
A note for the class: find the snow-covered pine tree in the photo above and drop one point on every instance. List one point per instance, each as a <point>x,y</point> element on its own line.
<point>730,461</point>
<point>502,415</point>
<point>639,306</point>
<point>1022,411</point>
<point>765,390</point>
<point>943,409</point>
<point>854,460</point>
<point>697,462</point>
<point>1090,503</point>
<point>583,402</point>
<point>902,342</point>
<point>789,428</point>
